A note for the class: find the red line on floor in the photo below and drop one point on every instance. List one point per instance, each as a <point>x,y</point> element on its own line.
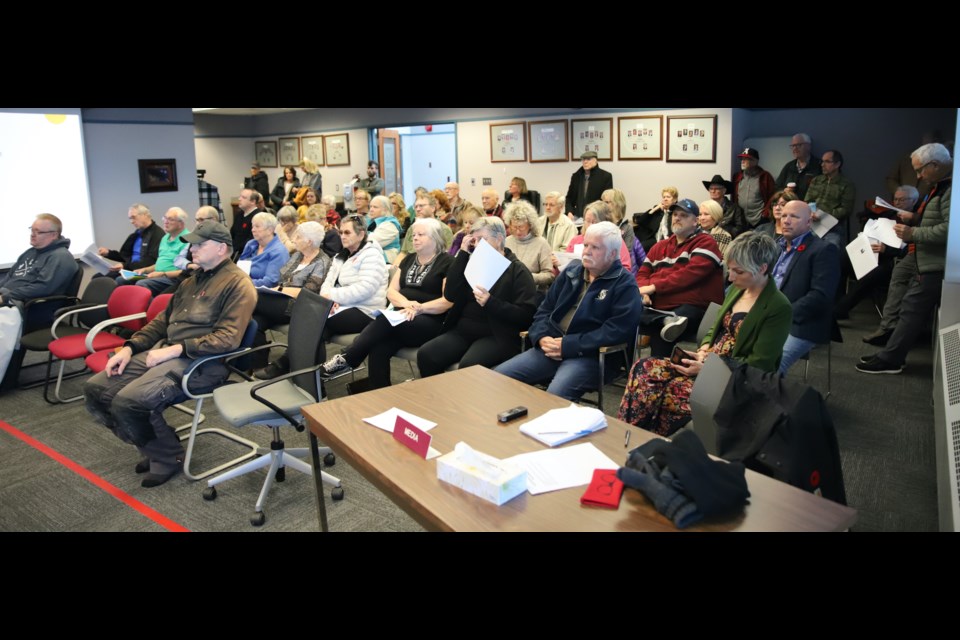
<point>93,478</point>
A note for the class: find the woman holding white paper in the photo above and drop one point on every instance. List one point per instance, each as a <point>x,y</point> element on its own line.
<point>416,290</point>
<point>483,325</point>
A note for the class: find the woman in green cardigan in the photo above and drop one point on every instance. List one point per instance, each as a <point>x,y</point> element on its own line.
<point>751,327</point>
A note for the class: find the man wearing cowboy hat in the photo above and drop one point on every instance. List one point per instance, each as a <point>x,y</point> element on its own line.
<point>733,221</point>
<point>753,187</point>
<point>587,184</point>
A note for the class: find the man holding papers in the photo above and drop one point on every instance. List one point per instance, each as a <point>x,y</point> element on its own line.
<point>807,273</point>
<point>926,234</point>
<point>141,247</point>
<point>835,194</point>
<point>593,303</point>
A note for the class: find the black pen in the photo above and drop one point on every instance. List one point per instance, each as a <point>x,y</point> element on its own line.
<point>626,439</point>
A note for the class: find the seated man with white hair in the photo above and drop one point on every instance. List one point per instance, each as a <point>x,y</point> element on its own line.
<point>164,272</point>
<point>591,304</point>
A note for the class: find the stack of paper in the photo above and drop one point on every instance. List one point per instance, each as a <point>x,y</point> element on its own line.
<point>565,258</point>
<point>558,426</point>
<point>485,267</point>
<point>92,257</point>
<point>554,469</point>
<point>882,230</point>
<point>392,315</point>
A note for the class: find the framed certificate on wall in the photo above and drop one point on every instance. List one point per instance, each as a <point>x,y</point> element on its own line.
<point>508,142</point>
<point>691,138</point>
<point>592,135</point>
<point>312,148</point>
<point>548,141</point>
<point>640,137</point>
<point>265,151</point>
<point>336,148</point>
<point>289,152</point>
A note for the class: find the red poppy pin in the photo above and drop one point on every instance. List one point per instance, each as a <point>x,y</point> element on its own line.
<point>802,247</point>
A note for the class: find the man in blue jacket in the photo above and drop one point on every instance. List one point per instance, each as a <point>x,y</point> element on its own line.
<point>593,303</point>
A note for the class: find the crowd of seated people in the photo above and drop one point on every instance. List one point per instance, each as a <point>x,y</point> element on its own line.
<point>575,283</point>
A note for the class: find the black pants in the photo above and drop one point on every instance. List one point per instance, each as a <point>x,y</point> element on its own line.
<point>350,320</point>
<point>466,347</point>
<point>380,341</point>
<point>270,312</point>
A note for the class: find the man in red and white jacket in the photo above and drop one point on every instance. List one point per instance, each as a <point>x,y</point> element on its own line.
<point>681,274</point>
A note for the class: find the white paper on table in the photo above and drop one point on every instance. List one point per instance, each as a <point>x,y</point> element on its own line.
<point>101,265</point>
<point>432,453</point>
<point>554,469</point>
<point>824,224</point>
<point>862,257</point>
<point>564,259</point>
<point>578,251</point>
<point>883,203</point>
<point>245,266</point>
<point>558,426</point>
<point>388,420</point>
<point>882,230</point>
<point>392,315</point>
<point>485,267</point>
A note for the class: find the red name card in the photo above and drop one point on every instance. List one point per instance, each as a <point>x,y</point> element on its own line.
<point>415,439</point>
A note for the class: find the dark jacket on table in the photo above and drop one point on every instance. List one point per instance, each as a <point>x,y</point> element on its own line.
<point>600,181</point>
<point>276,196</point>
<point>763,331</point>
<point>810,284</point>
<point>608,315</point>
<point>149,248</point>
<point>512,300</point>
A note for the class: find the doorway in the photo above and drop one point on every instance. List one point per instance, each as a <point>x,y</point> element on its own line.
<point>421,155</point>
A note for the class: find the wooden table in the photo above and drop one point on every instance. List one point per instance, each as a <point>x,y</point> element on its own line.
<point>464,404</point>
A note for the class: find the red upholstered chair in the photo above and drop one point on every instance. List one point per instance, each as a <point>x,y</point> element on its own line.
<point>97,362</point>
<point>127,308</point>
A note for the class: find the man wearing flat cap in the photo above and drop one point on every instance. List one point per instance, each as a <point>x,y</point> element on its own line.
<point>207,315</point>
<point>733,220</point>
<point>753,187</point>
<point>586,184</point>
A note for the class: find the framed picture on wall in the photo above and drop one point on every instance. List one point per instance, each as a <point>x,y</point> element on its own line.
<point>691,138</point>
<point>289,152</point>
<point>640,138</point>
<point>548,141</point>
<point>336,148</point>
<point>592,135</point>
<point>507,142</point>
<point>157,175</point>
<point>265,151</point>
<point>312,147</point>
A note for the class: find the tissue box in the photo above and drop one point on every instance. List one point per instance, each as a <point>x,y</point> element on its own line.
<point>493,480</point>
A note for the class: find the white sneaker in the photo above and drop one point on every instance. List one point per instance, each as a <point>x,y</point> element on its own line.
<point>673,328</point>
<point>334,365</point>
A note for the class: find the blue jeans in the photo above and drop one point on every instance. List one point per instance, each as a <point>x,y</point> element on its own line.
<point>794,349</point>
<point>569,378</point>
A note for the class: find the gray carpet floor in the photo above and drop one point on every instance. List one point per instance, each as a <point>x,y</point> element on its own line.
<point>884,426</point>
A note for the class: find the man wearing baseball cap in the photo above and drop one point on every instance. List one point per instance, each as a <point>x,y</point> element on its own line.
<point>587,184</point>
<point>753,187</point>
<point>681,274</point>
<point>207,315</point>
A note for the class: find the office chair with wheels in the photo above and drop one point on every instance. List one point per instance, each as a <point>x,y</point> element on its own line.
<point>277,402</point>
<point>127,308</point>
<point>252,448</point>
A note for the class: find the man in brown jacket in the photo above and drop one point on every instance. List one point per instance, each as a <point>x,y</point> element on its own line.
<point>208,315</point>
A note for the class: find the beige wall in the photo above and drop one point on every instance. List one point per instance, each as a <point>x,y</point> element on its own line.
<point>641,181</point>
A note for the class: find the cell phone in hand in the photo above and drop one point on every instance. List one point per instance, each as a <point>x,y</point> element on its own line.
<point>679,354</point>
